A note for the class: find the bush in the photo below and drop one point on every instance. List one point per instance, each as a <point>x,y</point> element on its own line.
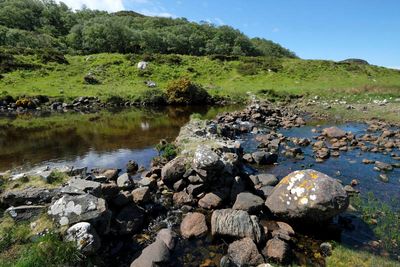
<point>153,97</point>
<point>251,66</point>
<point>185,92</point>
<point>49,55</point>
<point>166,150</point>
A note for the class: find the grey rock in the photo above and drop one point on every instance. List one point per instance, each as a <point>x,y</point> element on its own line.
<point>277,250</point>
<point>264,158</point>
<point>195,190</point>
<point>124,181</point>
<point>168,237</point>
<point>147,181</point>
<point>85,237</point>
<point>210,201</point>
<point>173,170</point>
<point>81,187</point>
<point>69,210</point>
<point>206,159</point>
<point>248,202</point>
<point>235,223</point>
<point>31,195</point>
<point>267,179</point>
<point>25,213</point>
<point>266,190</point>
<point>180,185</point>
<point>382,166</point>
<point>182,198</point>
<point>244,253</point>
<point>141,195</point>
<point>307,195</point>
<point>194,225</point>
<point>155,254</point>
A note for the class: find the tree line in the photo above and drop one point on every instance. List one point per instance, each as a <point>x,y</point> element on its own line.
<point>47,24</point>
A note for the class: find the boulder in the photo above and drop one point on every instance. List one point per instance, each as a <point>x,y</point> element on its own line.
<point>124,181</point>
<point>141,194</point>
<point>307,195</point>
<point>248,202</point>
<point>173,170</point>
<point>264,158</point>
<point>182,198</point>
<point>382,166</point>
<point>264,179</point>
<point>132,167</point>
<point>235,223</point>
<point>155,254</point>
<point>206,159</point>
<point>78,186</point>
<point>85,237</point>
<point>210,201</point>
<point>244,253</point>
<point>277,250</point>
<point>31,195</point>
<point>129,220</point>
<point>25,213</point>
<point>168,237</point>
<point>107,174</point>
<point>333,132</point>
<point>194,225</point>
<point>69,210</point>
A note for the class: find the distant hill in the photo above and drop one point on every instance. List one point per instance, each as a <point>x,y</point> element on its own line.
<point>46,24</point>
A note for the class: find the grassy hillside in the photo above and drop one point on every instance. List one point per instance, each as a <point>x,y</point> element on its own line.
<point>119,76</point>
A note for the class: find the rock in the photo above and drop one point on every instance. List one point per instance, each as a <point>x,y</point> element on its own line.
<point>384,178</point>
<point>109,190</point>
<point>155,254</point>
<point>72,209</point>
<point>85,237</point>
<point>326,249</point>
<point>25,213</point>
<point>129,220</point>
<point>266,190</point>
<point>141,195</point>
<point>383,166</point>
<point>78,186</point>
<point>173,170</point>
<point>266,179</point>
<point>168,237</point>
<point>244,253</point>
<point>277,250</point>
<point>108,174</point>
<point>142,65</point>
<point>238,186</point>
<point>210,201</point>
<point>333,132</point>
<point>182,198</point>
<point>235,223</point>
<point>194,225</point>
<point>31,195</point>
<point>248,202</point>
<point>132,167</point>
<point>308,195</point>
<point>147,181</point>
<point>248,158</point>
<point>180,185</point>
<point>124,181</point>
<point>264,158</point>
<point>195,190</point>
<point>123,198</point>
<point>206,159</point>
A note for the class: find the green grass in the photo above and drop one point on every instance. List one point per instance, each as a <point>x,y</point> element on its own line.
<point>120,77</point>
<point>344,257</point>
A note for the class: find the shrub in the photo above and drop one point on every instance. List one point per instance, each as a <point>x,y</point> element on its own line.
<point>185,92</point>
<point>153,97</point>
<point>166,150</point>
<point>49,55</point>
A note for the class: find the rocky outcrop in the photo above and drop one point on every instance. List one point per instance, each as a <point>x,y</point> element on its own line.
<point>307,195</point>
<point>27,196</point>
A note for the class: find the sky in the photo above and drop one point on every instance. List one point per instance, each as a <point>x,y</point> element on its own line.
<point>313,29</point>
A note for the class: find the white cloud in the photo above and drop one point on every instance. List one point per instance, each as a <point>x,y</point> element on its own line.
<point>396,68</point>
<point>108,5</point>
<point>276,29</point>
<point>156,13</point>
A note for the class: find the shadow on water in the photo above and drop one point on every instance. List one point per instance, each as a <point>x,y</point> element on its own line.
<point>104,139</point>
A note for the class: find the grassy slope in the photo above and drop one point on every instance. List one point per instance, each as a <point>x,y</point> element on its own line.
<point>119,76</point>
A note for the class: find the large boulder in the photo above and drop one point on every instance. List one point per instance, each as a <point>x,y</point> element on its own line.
<point>174,170</point>
<point>73,209</point>
<point>78,186</point>
<point>85,237</point>
<point>235,223</point>
<point>206,159</point>
<point>245,253</point>
<point>333,132</point>
<point>307,195</point>
<point>194,225</point>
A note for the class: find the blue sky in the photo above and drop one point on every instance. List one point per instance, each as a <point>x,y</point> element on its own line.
<point>314,29</point>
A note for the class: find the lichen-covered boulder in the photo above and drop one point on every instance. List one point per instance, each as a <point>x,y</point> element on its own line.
<point>85,237</point>
<point>73,209</point>
<point>307,195</point>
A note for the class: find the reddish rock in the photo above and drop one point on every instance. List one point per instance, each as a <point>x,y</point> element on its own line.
<point>194,225</point>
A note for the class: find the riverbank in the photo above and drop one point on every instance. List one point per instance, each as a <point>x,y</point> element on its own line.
<point>230,167</point>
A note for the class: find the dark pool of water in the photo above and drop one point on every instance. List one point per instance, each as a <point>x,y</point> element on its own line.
<point>107,139</point>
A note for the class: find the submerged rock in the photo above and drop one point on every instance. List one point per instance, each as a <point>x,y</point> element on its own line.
<point>245,253</point>
<point>308,195</point>
<point>85,237</point>
<point>235,223</point>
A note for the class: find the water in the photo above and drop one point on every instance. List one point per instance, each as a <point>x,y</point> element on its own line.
<point>106,139</point>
